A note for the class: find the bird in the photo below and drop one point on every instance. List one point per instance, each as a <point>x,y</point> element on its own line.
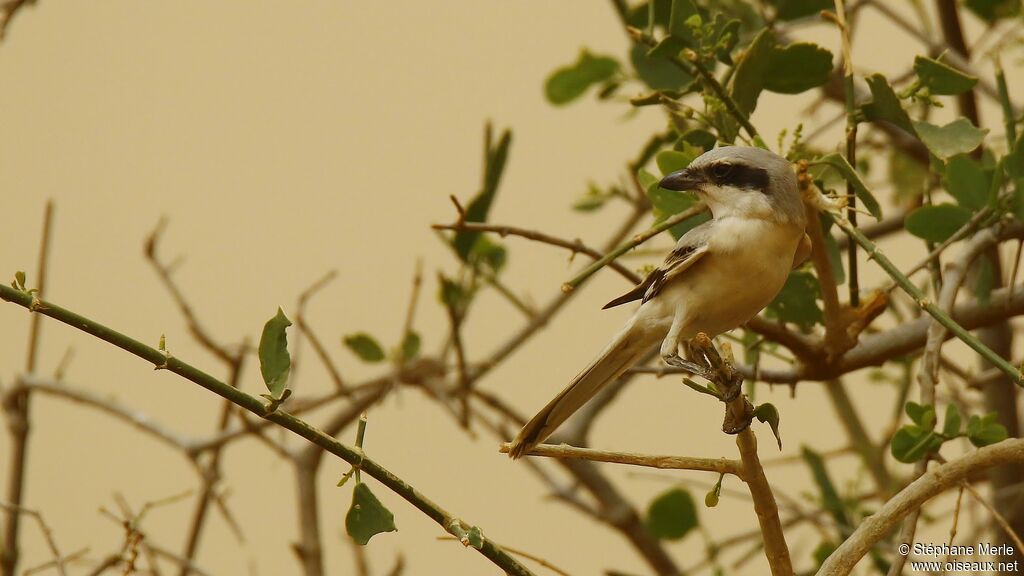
<point>718,276</point>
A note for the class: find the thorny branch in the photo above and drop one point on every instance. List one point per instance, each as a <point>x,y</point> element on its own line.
<point>256,406</point>
<point>851,348</point>
<point>929,485</point>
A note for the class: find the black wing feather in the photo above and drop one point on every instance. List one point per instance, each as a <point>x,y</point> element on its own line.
<point>637,292</point>
<point>691,246</point>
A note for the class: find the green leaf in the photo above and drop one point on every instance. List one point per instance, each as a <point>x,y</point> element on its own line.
<point>451,293</point>
<point>656,70</point>
<point>951,423</point>
<point>885,106</point>
<point>796,9</point>
<point>957,137</point>
<point>365,347</point>
<point>985,430</point>
<point>920,414</point>
<point>936,223</point>
<point>275,362</point>
<point>1017,202</point>
<point>797,302</point>
<point>646,179</point>
<point>907,175</point>
<point>992,10</point>
<point>670,202</point>
<point>672,515</point>
<point>941,78</point>
<point>727,37</point>
<point>410,345</point>
<point>752,346</point>
<point>495,158</point>
<point>367,517</point>
<point>1015,159</point>
<point>829,496</point>
<point>770,414</point>
<point>638,17</point>
<point>593,199</point>
<point>797,68</point>
<point>713,495</point>
<point>683,11</point>
<point>19,279</point>
<point>748,80</point>
<point>697,137</point>
<point>850,175</point>
<point>912,443</point>
<point>570,82</point>
<point>822,552</point>
<point>966,181</point>
<point>670,161</point>
<point>589,203</point>
<point>711,499</point>
<point>489,253</point>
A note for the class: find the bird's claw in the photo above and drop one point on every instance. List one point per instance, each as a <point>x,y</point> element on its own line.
<point>680,362</point>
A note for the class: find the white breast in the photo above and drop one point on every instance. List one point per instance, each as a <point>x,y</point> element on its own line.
<point>747,264</point>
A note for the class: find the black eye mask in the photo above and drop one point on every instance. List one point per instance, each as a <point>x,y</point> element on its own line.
<point>739,176</point>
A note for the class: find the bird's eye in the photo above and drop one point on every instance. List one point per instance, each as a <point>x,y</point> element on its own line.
<point>722,170</point>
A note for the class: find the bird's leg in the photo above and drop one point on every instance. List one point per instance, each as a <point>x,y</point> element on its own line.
<point>670,347</point>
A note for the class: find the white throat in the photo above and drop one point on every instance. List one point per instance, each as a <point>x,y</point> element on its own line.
<point>731,202</point>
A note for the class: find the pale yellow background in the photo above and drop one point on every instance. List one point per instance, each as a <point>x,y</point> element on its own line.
<point>284,139</point>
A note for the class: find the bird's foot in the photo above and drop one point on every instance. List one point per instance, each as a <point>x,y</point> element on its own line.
<point>680,362</point>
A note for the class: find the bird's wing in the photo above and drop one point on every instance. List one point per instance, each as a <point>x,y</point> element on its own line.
<point>688,250</point>
<point>803,251</point>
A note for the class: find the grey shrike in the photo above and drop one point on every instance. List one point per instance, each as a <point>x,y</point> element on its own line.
<point>719,275</point>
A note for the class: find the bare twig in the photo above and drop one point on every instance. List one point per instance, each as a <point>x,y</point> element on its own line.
<point>16,405</point>
<point>739,414</point>
<point>851,142</point>
<point>927,305</point>
<point>719,465</point>
<point>210,473</point>
<point>81,395</point>
<point>954,58</point>
<point>544,316</point>
<point>164,272</point>
<point>856,432</point>
<point>999,518</point>
<point>875,349</point>
<point>937,480</point>
<point>574,246</point>
<point>455,317</point>
<point>637,240</point>
<point>67,559</point>
<point>314,341</point>
<point>976,219</point>
<point>837,340</point>
<point>8,8</point>
<point>414,298</point>
<point>51,542</point>
<point>526,555</point>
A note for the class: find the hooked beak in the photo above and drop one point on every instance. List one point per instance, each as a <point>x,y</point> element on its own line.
<point>681,180</point>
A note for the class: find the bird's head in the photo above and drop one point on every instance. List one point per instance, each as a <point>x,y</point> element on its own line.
<point>742,181</point>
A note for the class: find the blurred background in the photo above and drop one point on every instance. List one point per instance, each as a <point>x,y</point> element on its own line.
<point>282,140</point>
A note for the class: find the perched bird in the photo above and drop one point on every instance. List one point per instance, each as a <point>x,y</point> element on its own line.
<point>719,275</point>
